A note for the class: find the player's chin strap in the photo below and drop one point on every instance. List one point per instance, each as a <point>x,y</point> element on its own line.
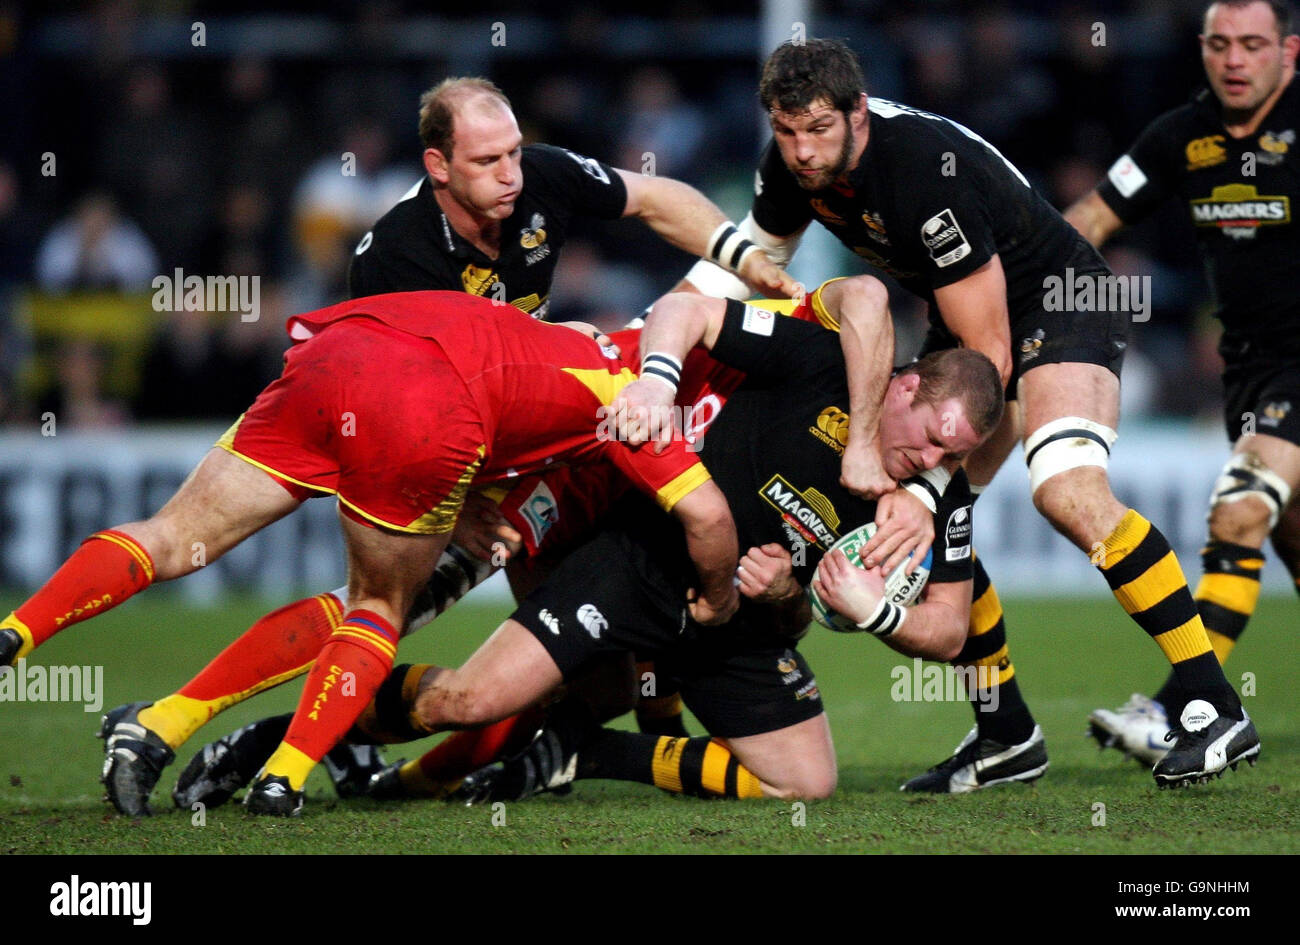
<point>929,486</point>
<point>1245,475</point>
<point>1065,444</point>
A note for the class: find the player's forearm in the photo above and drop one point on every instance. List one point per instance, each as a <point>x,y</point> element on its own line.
<point>1093,218</point>
<point>711,540</point>
<point>677,323</point>
<point>933,630</point>
<point>867,340</point>
<point>975,310</point>
<point>678,212</point>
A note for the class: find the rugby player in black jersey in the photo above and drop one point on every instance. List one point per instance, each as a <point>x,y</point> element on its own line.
<point>942,211</point>
<point>492,214</point>
<point>627,588</point>
<point>1229,155</point>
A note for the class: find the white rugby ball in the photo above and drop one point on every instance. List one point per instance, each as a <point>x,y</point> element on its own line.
<point>900,587</point>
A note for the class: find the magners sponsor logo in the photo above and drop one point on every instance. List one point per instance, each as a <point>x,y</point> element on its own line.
<point>1239,210</point>
<point>809,513</point>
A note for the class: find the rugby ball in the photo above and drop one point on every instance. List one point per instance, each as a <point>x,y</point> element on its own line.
<point>900,587</point>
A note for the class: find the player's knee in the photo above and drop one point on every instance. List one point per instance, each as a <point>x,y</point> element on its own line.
<point>1247,501</point>
<point>1068,458</point>
<point>810,784</point>
<point>171,556</point>
<point>1244,522</point>
<point>1074,502</point>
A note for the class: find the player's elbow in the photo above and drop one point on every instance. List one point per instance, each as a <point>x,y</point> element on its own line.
<point>861,300</point>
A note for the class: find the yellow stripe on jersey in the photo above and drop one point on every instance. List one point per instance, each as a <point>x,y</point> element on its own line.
<point>600,382</point>
<point>682,486</point>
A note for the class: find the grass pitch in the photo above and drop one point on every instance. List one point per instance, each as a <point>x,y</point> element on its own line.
<point>1071,656</point>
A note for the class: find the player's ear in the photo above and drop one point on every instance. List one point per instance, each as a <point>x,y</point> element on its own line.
<point>858,117</point>
<point>436,165</point>
<point>908,383</point>
<point>1290,48</point>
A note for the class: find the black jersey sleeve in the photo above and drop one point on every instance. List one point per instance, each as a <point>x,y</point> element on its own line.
<point>772,348</point>
<point>1140,180</point>
<point>780,205</point>
<point>948,219</point>
<point>591,187</point>
<point>952,546</point>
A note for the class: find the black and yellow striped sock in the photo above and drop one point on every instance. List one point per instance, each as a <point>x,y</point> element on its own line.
<point>1000,711</point>
<point>1225,599</point>
<point>1228,592</point>
<point>390,717</point>
<point>700,767</point>
<point>1146,579</point>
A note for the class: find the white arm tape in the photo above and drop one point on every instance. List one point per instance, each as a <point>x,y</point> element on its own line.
<point>1064,444</point>
<point>885,619</point>
<point>712,279</point>
<point>933,484</point>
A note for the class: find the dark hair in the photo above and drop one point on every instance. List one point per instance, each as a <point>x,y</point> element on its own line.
<point>439,105</point>
<point>798,74</point>
<point>1282,14</point>
<point>965,374</point>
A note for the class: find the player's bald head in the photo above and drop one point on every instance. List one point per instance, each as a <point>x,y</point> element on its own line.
<point>440,106</point>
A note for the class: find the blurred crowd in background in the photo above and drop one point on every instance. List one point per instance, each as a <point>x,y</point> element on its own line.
<point>130,151</point>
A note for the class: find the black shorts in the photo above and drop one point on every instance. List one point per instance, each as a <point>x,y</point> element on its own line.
<point>610,596</point>
<point>1041,337</point>
<point>1263,394</point>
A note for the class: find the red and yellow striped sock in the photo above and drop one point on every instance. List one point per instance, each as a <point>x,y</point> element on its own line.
<point>277,648</point>
<point>442,767</point>
<point>348,672</point>
<point>108,568</point>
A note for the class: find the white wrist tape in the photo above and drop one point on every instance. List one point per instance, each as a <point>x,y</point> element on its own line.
<point>663,367</point>
<point>885,620</point>
<point>728,248</point>
<point>929,486</point>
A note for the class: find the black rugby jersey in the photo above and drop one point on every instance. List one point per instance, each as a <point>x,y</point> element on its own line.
<point>775,448</point>
<point>1238,193</point>
<point>413,247</point>
<point>929,203</point>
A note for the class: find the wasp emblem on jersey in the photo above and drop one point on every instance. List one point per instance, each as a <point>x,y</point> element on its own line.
<point>1205,152</point>
<point>875,226</point>
<point>534,235</point>
<point>1274,146</point>
<point>1275,413</point>
<point>1030,346</point>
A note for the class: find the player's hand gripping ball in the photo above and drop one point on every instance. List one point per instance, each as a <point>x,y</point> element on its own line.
<point>900,587</point>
